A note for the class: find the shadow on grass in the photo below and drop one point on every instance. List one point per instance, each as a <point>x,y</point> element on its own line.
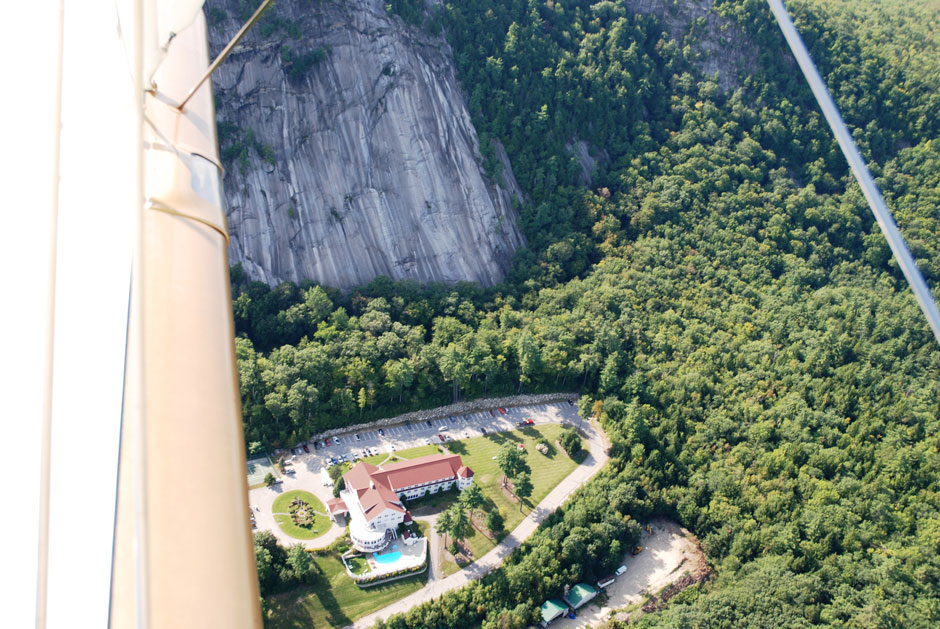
<point>335,614</point>
<point>503,437</point>
<point>432,503</point>
<point>457,447</point>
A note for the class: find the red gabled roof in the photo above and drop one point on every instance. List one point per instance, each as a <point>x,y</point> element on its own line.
<point>376,486</point>
<point>337,505</point>
<point>376,500</point>
<point>359,476</point>
<point>425,469</point>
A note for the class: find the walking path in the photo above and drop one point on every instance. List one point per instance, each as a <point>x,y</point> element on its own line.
<point>592,464</point>
<point>434,547</point>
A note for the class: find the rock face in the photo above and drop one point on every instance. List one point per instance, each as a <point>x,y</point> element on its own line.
<point>350,151</point>
<point>721,46</point>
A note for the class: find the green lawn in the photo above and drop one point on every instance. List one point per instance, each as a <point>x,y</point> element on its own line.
<point>281,509</point>
<point>358,565</point>
<point>547,471</point>
<point>410,453</point>
<point>376,459</point>
<point>335,601</point>
<point>414,453</point>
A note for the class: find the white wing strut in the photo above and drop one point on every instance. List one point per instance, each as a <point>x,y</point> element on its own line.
<point>882,214</point>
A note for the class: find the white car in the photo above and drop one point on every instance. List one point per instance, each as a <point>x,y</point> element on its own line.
<point>621,570</point>
<point>427,442</point>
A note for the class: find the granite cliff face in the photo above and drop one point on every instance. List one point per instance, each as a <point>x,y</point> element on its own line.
<point>350,151</point>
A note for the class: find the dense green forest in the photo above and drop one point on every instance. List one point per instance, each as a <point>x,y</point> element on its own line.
<point>721,297</point>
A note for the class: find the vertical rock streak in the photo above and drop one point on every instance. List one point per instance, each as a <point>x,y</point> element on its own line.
<point>377,168</point>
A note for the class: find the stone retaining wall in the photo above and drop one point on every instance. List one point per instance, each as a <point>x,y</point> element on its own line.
<point>460,408</point>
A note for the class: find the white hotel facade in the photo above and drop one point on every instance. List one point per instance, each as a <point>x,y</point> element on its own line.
<point>373,495</point>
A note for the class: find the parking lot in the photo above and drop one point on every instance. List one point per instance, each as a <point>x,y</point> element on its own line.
<point>355,445</point>
<point>306,466</point>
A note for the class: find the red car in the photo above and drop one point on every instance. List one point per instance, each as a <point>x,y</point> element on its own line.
<point>441,437</point>
<point>529,422</point>
<point>501,411</point>
<point>327,441</point>
<point>306,449</point>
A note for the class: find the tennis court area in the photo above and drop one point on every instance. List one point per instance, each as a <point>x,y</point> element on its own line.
<point>258,469</point>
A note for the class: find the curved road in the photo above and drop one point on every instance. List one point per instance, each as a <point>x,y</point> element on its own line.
<point>592,464</point>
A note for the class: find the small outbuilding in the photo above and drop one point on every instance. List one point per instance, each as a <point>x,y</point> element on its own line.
<point>552,609</point>
<point>337,507</point>
<point>579,595</point>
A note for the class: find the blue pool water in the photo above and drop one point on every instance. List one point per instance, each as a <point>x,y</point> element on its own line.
<point>390,557</point>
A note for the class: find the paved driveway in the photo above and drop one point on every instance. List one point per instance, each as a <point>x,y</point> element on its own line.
<point>396,438</point>
<point>262,500</point>
<point>595,460</point>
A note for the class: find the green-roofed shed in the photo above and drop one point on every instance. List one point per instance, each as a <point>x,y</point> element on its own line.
<point>552,609</point>
<point>579,595</point>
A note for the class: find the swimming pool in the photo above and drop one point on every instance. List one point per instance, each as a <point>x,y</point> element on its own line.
<point>390,557</point>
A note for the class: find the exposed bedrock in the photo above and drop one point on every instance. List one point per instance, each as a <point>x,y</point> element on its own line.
<point>358,156</point>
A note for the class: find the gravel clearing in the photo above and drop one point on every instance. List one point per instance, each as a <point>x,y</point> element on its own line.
<point>668,554</point>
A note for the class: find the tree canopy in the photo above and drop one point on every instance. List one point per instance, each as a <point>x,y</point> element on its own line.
<point>720,294</point>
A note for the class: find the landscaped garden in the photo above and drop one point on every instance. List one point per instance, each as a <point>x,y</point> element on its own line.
<point>358,564</point>
<point>335,600</point>
<point>479,453</point>
<point>300,514</point>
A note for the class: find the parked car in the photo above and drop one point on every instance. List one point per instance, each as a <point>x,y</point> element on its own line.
<point>328,441</point>
<point>492,414</point>
<point>501,411</point>
<point>427,442</point>
<point>393,447</point>
<point>442,429</point>
<point>441,437</point>
<point>483,430</point>
<point>429,424</point>
<point>382,431</point>
<point>306,449</point>
<point>621,570</point>
<point>336,440</point>
<point>529,422</point>
<point>289,470</point>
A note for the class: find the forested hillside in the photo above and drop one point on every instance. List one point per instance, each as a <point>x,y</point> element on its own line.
<point>720,294</point>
